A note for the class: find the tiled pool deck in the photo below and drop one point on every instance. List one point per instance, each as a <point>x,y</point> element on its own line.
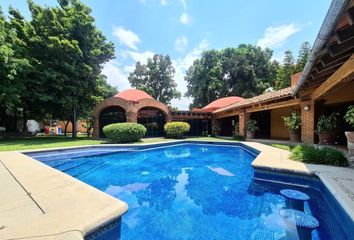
<point>38,202</point>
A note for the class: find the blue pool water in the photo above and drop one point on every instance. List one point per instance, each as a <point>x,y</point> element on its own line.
<point>192,191</point>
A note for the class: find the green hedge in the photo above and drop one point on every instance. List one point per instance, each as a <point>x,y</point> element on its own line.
<point>176,129</point>
<point>124,132</point>
<point>316,155</point>
<point>239,138</point>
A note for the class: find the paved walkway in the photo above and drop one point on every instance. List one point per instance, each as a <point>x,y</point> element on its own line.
<point>39,202</point>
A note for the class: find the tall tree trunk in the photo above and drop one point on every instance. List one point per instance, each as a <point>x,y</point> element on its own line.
<point>88,132</point>
<point>66,127</point>
<point>24,124</point>
<point>74,135</point>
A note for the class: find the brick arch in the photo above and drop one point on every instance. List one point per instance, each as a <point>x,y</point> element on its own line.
<point>109,102</point>
<point>131,110</point>
<point>146,103</point>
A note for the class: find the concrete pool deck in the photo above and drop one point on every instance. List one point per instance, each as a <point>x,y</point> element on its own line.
<point>39,202</point>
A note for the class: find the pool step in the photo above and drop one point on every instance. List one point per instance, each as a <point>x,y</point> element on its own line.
<point>75,165</point>
<point>294,199</point>
<point>88,170</point>
<point>305,223</point>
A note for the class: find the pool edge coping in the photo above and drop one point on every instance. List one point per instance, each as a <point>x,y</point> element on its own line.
<point>264,160</point>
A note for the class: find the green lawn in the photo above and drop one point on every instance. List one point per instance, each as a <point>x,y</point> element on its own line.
<point>283,146</point>
<point>45,142</point>
<point>54,142</point>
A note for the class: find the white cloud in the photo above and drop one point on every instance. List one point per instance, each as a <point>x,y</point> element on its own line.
<point>118,75</point>
<point>185,19</point>
<point>138,56</point>
<point>181,65</point>
<point>275,36</point>
<point>126,37</point>
<point>181,44</point>
<point>184,4</point>
<point>115,75</point>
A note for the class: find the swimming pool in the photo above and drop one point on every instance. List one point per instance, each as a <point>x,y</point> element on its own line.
<point>193,191</point>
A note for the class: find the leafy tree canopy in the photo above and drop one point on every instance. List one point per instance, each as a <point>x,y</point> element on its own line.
<point>51,64</point>
<point>243,71</point>
<point>156,78</point>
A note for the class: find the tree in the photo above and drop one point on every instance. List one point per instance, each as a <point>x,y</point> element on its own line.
<point>71,52</point>
<point>12,64</point>
<point>304,53</point>
<point>285,71</point>
<point>156,78</point>
<point>243,71</point>
<point>103,91</point>
<point>204,78</point>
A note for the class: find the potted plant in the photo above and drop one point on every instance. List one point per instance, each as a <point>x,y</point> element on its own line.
<point>326,128</point>
<point>2,131</point>
<point>349,118</point>
<point>251,128</point>
<point>293,123</point>
<point>216,130</point>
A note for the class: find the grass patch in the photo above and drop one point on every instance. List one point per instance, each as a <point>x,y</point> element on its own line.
<point>283,146</point>
<point>45,142</point>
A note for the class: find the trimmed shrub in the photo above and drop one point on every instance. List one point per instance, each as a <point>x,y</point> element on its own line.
<point>176,129</point>
<point>315,155</point>
<point>124,132</point>
<point>239,138</point>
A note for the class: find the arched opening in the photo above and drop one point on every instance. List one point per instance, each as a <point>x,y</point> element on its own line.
<point>153,119</point>
<point>114,114</point>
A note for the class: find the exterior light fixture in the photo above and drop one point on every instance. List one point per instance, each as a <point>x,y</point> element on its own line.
<point>306,107</point>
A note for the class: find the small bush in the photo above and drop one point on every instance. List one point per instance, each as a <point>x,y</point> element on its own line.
<point>124,132</point>
<point>293,122</point>
<point>251,125</point>
<point>327,123</point>
<point>349,116</point>
<point>176,129</point>
<point>325,155</point>
<point>239,138</point>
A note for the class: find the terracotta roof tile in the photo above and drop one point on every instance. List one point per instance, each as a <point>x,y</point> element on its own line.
<point>282,93</point>
<point>133,95</point>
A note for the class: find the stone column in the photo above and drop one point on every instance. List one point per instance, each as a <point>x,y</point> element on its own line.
<point>243,118</point>
<point>308,121</point>
<point>310,112</point>
<point>215,126</point>
<point>96,127</point>
<point>132,117</point>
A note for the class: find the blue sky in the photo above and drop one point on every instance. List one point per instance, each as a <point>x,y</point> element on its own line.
<point>184,28</point>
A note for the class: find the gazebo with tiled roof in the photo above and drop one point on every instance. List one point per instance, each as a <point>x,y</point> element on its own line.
<point>126,106</point>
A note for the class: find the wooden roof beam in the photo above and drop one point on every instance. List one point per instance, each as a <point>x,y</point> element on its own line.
<point>345,34</point>
<point>341,48</point>
<point>288,103</point>
<point>350,14</point>
<point>342,73</point>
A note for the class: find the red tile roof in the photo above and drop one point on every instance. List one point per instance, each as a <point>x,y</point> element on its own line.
<point>219,103</point>
<point>282,93</point>
<point>133,95</point>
